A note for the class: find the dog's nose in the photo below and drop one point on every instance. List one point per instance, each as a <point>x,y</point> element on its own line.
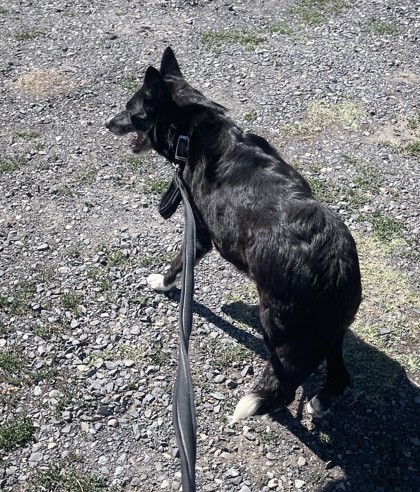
<point>107,122</point>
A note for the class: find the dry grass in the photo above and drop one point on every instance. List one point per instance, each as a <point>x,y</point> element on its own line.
<point>387,317</point>
<point>41,83</point>
<point>321,115</point>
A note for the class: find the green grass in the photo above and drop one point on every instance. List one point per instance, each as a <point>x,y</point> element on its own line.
<point>138,163</point>
<point>280,29</point>
<point>88,176</point>
<point>73,252</point>
<point>216,39</point>
<point>116,258</point>
<point>16,432</point>
<point>389,302</point>
<point>250,115</point>
<point>97,276</point>
<point>3,328</point>
<point>368,178</point>
<point>29,34</point>
<point>413,122</point>
<point>27,134</point>
<point>156,186</point>
<point>382,28</point>
<point>39,145</point>
<point>17,302</point>
<point>225,355</point>
<point>47,375</point>
<point>61,478</point>
<point>67,398</point>
<point>321,190</point>
<point>317,12</point>
<point>155,261</point>
<point>71,301</point>
<point>13,364</point>
<point>383,372</point>
<point>385,228</point>
<point>64,191</point>
<point>12,164</point>
<point>333,439</point>
<point>130,83</point>
<point>413,148</point>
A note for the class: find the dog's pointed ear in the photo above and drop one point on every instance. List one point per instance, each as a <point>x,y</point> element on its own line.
<point>169,64</point>
<point>153,81</point>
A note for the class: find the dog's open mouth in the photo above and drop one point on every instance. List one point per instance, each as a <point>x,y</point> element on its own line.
<point>137,142</point>
<point>140,143</point>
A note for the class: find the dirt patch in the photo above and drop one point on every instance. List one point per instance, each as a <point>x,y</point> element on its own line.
<point>407,76</point>
<point>396,134</point>
<point>42,83</point>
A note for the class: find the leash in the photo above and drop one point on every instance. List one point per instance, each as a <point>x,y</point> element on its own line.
<point>183,412</point>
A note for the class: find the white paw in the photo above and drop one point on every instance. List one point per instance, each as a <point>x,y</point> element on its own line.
<point>314,411</point>
<point>246,407</point>
<point>155,282</point>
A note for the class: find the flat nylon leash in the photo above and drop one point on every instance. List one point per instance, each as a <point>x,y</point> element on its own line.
<point>183,398</point>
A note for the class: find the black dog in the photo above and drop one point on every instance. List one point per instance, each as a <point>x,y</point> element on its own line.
<point>261,215</point>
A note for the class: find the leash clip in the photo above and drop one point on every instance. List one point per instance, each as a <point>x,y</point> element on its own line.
<point>181,150</point>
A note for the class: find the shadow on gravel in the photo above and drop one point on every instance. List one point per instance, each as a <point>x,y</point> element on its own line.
<point>236,311</point>
<point>371,434</point>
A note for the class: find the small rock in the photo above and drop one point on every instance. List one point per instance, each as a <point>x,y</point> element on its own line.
<point>135,330</point>
<point>113,423</point>
<point>273,483</point>
<point>43,247</point>
<point>301,461</point>
<point>37,391</point>
<point>105,411</point>
<point>36,457</point>
<point>232,472</point>
<point>299,484</point>
<point>85,427</point>
<point>247,370</point>
<point>415,441</point>
<point>54,394</point>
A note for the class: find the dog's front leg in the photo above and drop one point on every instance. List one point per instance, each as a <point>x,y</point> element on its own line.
<point>164,283</point>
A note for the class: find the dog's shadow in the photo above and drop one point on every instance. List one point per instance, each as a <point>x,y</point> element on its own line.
<point>371,433</point>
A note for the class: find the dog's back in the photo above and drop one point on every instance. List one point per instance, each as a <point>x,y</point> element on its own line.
<point>263,218</point>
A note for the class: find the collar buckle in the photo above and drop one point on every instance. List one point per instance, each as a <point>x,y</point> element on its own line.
<point>181,151</point>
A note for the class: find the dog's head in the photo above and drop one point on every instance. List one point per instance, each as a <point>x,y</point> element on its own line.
<point>164,92</point>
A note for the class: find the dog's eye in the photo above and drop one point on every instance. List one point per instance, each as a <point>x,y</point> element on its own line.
<point>139,115</point>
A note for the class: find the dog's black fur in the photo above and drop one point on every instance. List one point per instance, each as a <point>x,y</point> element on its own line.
<point>261,215</point>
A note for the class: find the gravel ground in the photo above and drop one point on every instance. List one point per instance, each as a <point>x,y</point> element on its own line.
<point>88,353</point>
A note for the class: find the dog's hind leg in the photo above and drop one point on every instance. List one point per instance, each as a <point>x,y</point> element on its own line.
<point>164,283</point>
<point>272,392</point>
<point>294,355</point>
<point>338,380</point>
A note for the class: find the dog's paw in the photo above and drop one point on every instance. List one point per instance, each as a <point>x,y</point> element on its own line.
<point>315,408</point>
<point>155,282</point>
<point>246,407</point>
